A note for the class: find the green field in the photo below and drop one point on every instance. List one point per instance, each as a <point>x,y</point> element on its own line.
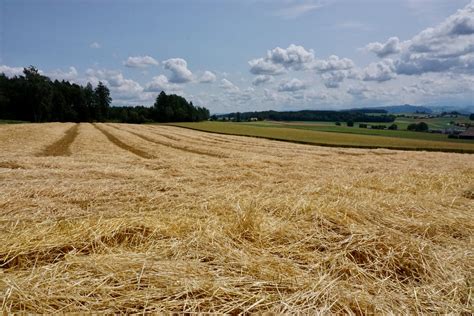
<point>433,123</point>
<point>331,127</point>
<point>402,123</point>
<point>313,133</point>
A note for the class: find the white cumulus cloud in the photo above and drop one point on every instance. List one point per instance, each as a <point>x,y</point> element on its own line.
<point>447,47</point>
<point>179,70</point>
<point>207,77</point>
<point>11,71</point>
<point>261,66</point>
<point>229,86</point>
<point>333,63</point>
<point>390,47</point>
<point>120,87</point>
<point>59,74</point>
<point>383,70</point>
<point>140,62</point>
<point>278,60</point>
<point>261,79</point>
<point>293,57</point>
<point>160,83</point>
<point>291,85</point>
<point>333,79</point>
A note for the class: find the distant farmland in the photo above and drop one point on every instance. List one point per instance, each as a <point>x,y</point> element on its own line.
<point>330,135</point>
<point>117,218</point>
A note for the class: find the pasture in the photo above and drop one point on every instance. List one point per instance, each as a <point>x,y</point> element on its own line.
<point>331,127</point>
<point>156,218</point>
<point>434,123</point>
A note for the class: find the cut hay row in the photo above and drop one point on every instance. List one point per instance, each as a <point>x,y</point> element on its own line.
<point>174,146</point>
<point>177,136</point>
<point>121,144</point>
<point>234,147</point>
<point>90,142</point>
<point>262,146</point>
<point>61,146</point>
<point>283,229</point>
<point>34,138</point>
<point>180,137</point>
<point>164,153</point>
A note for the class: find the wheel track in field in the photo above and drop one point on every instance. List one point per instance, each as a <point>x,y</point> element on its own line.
<point>228,145</point>
<point>223,144</point>
<point>233,140</point>
<point>116,141</point>
<point>62,146</point>
<point>237,143</point>
<point>196,139</point>
<point>186,149</point>
<point>276,145</point>
<point>233,143</point>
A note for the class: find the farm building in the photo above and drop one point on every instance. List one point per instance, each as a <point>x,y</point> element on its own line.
<point>468,134</point>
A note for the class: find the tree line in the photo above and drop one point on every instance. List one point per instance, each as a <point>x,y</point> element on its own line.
<point>418,127</point>
<point>167,108</point>
<point>34,97</point>
<point>309,115</point>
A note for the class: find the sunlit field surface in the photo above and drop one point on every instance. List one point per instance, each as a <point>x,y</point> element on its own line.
<point>148,218</point>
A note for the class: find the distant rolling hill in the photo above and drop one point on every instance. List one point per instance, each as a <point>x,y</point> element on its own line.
<point>406,108</point>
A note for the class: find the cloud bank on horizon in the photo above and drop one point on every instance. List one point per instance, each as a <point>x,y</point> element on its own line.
<point>434,66</point>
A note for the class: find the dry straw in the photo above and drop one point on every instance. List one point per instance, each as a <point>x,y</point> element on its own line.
<point>134,219</point>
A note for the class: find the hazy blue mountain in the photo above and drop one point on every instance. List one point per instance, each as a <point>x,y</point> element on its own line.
<point>406,108</point>
<point>461,109</point>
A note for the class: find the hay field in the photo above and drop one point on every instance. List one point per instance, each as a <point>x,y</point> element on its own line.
<point>134,218</point>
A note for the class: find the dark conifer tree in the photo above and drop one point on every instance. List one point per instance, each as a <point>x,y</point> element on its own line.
<point>102,102</point>
<point>35,98</point>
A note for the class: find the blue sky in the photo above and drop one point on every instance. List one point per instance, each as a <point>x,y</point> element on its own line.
<point>250,54</point>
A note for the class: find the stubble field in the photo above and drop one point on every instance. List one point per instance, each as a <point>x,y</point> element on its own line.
<point>137,218</point>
